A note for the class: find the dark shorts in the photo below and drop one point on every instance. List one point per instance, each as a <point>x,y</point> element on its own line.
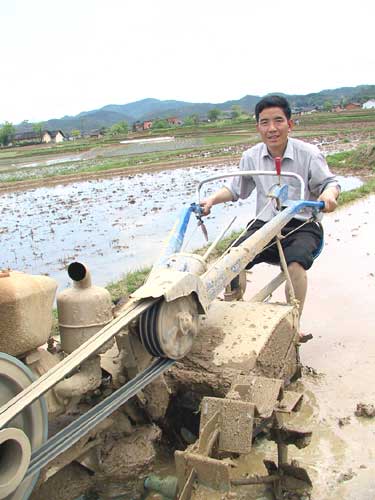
<point>301,246</point>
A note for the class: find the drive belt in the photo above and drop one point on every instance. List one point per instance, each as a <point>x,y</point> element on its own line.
<point>15,405</point>
<point>68,436</point>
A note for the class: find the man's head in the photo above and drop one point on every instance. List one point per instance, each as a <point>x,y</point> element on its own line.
<point>273,117</point>
<point>273,101</point>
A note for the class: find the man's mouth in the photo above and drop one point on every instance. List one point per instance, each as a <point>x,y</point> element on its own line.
<point>273,137</point>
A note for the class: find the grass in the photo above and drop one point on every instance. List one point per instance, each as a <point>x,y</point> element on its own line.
<point>226,139</point>
<point>358,193</point>
<point>128,283</point>
<point>363,157</point>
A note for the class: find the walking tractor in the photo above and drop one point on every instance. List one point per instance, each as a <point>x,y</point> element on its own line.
<point>174,359</point>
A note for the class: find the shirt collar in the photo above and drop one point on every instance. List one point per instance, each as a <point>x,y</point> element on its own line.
<point>289,152</point>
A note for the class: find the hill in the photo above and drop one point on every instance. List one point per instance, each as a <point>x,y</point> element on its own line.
<point>154,108</point>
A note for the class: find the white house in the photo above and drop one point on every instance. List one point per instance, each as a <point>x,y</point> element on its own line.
<point>369,104</point>
<point>53,136</point>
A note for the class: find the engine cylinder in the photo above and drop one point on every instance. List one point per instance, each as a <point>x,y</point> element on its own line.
<point>83,309</point>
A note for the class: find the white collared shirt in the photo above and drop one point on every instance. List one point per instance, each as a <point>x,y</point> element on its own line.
<point>299,157</point>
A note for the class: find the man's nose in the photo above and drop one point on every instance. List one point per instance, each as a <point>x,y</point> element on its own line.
<point>271,125</point>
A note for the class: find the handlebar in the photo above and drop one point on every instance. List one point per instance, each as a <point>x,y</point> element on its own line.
<point>243,173</point>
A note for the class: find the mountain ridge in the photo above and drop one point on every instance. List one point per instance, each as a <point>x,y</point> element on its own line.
<point>152,108</point>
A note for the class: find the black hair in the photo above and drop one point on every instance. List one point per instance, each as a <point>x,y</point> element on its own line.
<point>273,101</point>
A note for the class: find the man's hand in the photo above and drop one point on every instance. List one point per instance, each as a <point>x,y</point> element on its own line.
<point>329,196</point>
<point>206,205</point>
<point>221,196</point>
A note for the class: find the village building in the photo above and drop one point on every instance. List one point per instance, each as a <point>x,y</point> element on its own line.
<point>27,137</point>
<point>55,136</point>
<point>370,104</point>
<point>96,134</point>
<point>147,125</point>
<point>45,136</point>
<point>173,120</point>
<point>140,126</point>
<point>352,105</point>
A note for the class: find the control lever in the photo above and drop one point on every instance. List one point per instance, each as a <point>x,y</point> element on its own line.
<point>278,168</point>
<point>198,211</point>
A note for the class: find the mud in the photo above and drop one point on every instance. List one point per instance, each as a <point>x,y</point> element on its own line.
<point>339,312</point>
<point>365,410</point>
<point>338,369</point>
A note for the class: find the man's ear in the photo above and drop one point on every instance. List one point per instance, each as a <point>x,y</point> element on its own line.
<point>290,125</point>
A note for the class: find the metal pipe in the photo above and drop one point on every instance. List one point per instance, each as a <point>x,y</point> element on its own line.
<point>244,173</point>
<point>15,458</point>
<point>79,274</point>
<point>215,243</point>
<point>269,288</point>
<point>175,238</point>
<point>284,267</point>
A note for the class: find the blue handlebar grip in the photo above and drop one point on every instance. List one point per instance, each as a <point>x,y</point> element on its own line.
<point>321,205</point>
<point>197,209</point>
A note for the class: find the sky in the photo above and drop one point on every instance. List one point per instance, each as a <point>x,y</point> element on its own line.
<point>66,57</point>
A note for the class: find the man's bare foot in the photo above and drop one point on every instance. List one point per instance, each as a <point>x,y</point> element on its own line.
<point>305,338</point>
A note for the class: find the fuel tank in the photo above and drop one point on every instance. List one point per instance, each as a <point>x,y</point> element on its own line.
<point>25,311</point>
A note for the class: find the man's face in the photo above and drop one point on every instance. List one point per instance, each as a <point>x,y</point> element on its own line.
<point>274,127</point>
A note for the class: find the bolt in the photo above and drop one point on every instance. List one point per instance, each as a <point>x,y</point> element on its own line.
<point>185,323</point>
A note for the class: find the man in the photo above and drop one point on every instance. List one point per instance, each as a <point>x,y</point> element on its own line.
<point>273,122</point>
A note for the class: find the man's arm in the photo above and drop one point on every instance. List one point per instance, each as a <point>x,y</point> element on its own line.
<point>221,196</point>
<point>322,183</point>
<point>330,196</point>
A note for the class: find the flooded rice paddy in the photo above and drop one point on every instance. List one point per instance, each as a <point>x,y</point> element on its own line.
<point>48,165</point>
<point>113,225</point>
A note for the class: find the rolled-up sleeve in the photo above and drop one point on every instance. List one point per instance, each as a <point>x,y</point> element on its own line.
<point>242,186</point>
<point>320,176</point>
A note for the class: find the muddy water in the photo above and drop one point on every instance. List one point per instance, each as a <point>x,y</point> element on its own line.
<point>339,312</point>
<point>113,225</point>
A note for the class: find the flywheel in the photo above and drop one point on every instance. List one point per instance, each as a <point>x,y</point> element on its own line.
<point>168,329</point>
<point>23,435</point>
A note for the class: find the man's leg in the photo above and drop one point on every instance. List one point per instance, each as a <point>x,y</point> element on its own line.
<point>298,277</point>
<point>299,250</point>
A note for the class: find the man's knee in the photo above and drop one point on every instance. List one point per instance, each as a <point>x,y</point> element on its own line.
<point>296,267</point>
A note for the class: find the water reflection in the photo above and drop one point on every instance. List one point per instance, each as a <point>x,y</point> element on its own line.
<point>113,225</point>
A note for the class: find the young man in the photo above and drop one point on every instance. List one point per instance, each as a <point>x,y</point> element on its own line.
<point>273,122</point>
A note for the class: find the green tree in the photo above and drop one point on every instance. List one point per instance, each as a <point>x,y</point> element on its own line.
<point>75,133</point>
<point>191,119</point>
<point>213,114</point>
<point>7,132</point>
<point>195,118</point>
<point>327,105</point>
<point>38,129</point>
<point>120,128</point>
<point>236,111</point>
<point>160,124</point>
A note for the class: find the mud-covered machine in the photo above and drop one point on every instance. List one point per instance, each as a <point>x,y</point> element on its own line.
<point>102,393</point>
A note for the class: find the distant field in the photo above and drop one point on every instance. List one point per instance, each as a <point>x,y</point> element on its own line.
<point>212,140</point>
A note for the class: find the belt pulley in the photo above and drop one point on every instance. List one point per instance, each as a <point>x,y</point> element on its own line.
<point>168,329</point>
